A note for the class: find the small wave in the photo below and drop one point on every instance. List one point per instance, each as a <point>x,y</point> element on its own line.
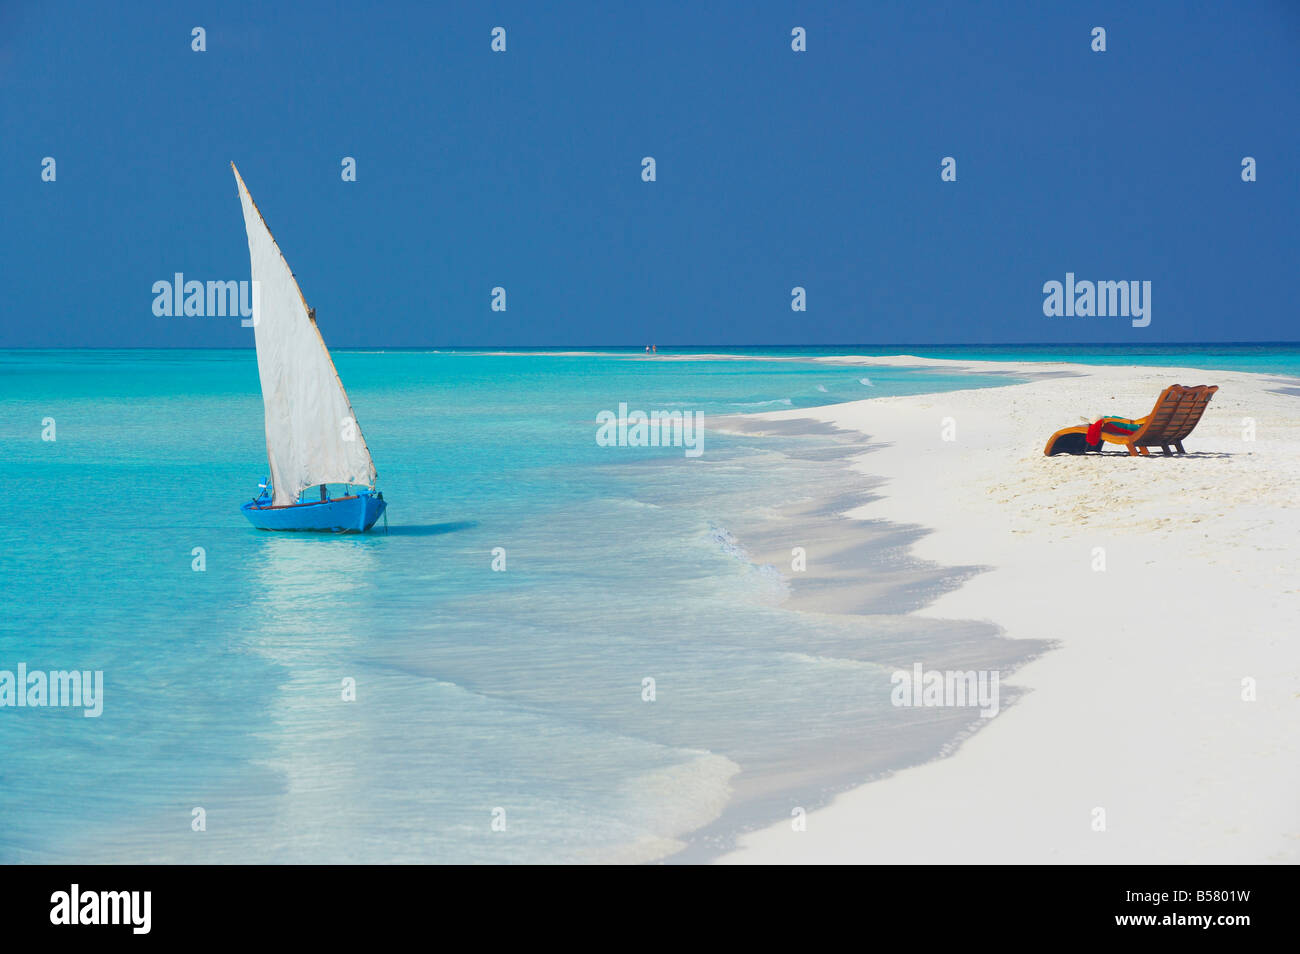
<point>765,584</point>
<point>727,543</point>
<point>636,504</point>
<point>783,401</point>
<point>867,382</point>
<point>822,388</point>
<point>674,801</point>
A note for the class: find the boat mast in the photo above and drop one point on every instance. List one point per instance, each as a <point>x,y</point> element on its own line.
<point>311,315</point>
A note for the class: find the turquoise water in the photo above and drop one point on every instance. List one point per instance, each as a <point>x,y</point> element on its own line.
<point>1266,358</point>
<point>476,690</point>
<point>1256,358</point>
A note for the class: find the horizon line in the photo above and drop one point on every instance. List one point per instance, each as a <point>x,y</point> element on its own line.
<point>620,347</point>
<point>640,348</point>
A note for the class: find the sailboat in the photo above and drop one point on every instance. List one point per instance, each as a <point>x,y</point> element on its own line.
<point>312,437</point>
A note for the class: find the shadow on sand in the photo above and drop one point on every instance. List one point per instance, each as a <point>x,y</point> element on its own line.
<point>1156,455</point>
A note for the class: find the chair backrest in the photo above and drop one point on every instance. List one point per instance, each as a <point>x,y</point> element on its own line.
<point>1176,412</point>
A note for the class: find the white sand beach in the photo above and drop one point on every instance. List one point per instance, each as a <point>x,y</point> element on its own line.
<point>1139,709</point>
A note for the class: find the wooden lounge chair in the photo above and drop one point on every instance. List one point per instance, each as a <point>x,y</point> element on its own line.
<point>1177,411</point>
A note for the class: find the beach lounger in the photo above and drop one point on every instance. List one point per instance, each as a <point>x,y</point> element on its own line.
<point>1177,411</point>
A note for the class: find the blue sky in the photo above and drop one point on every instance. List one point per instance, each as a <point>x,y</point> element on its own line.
<point>775,169</point>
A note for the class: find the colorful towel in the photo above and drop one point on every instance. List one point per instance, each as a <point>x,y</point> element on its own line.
<point>1111,425</point>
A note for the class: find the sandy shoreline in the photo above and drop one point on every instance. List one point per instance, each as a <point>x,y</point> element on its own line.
<point>1139,711</point>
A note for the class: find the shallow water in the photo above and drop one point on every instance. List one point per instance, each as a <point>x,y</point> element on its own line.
<point>476,690</point>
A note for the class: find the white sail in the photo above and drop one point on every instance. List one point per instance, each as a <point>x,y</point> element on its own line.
<point>311,433</point>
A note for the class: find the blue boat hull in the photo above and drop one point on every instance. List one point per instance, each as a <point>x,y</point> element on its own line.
<point>353,514</point>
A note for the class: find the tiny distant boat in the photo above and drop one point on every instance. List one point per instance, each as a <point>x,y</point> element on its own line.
<point>313,440</point>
